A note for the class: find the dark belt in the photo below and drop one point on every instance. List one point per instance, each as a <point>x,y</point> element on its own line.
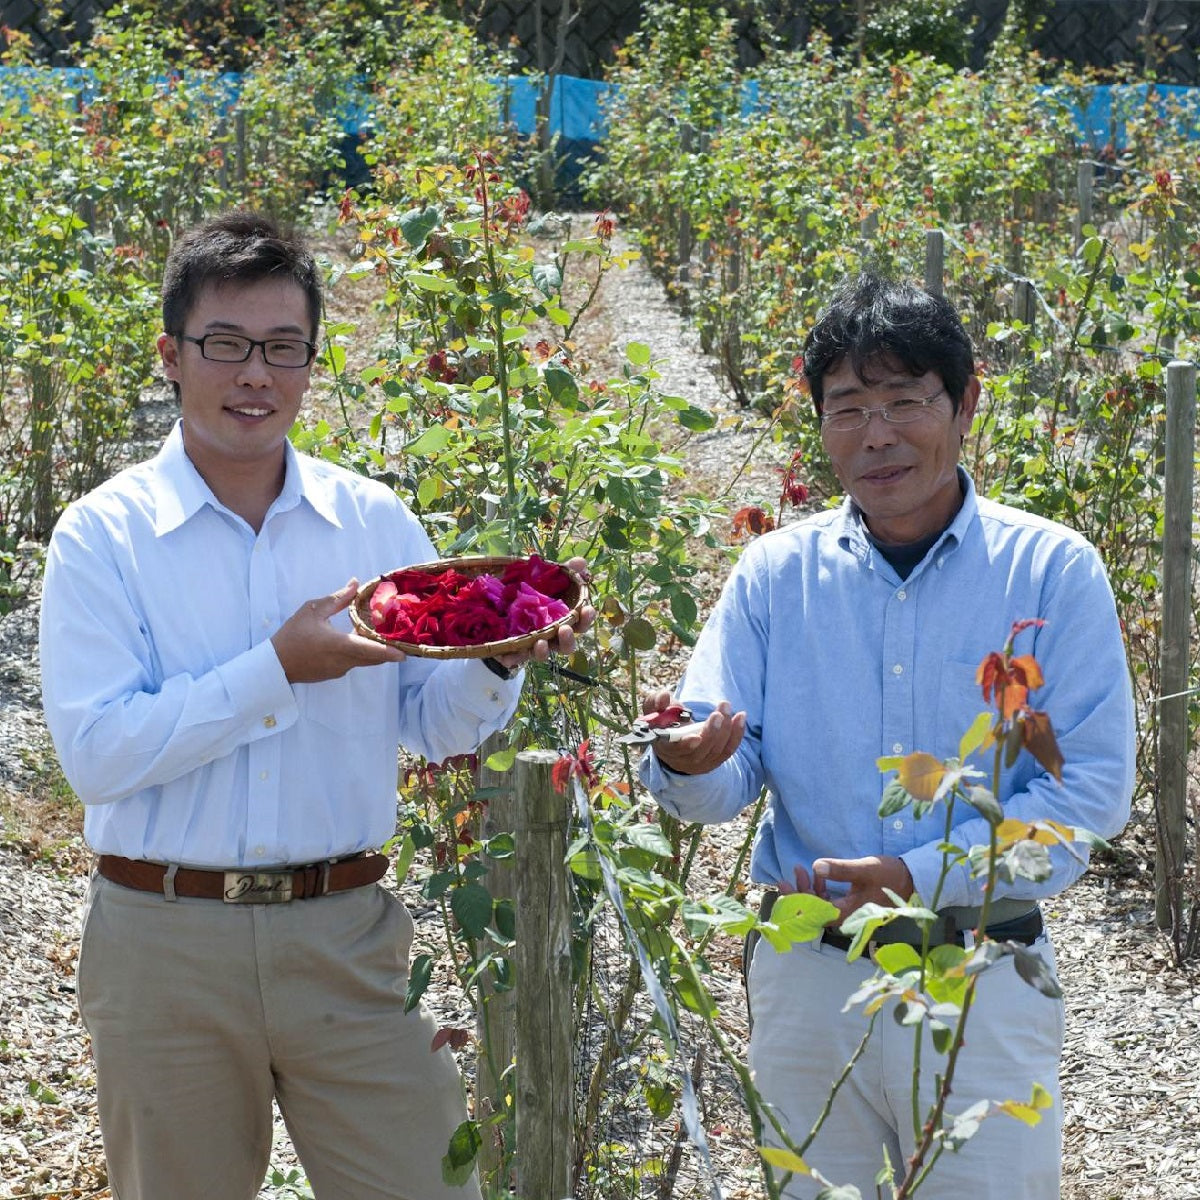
<point>245,885</point>
<point>1024,929</point>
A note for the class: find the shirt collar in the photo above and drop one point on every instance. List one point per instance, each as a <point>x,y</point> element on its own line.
<point>852,534</point>
<point>180,491</point>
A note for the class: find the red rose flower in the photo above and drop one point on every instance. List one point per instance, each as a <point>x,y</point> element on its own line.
<point>529,609</point>
<point>469,622</point>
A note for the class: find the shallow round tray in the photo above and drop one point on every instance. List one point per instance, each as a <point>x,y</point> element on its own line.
<point>574,599</point>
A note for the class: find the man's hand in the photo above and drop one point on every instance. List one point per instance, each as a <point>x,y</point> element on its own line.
<point>867,878</point>
<point>310,649</point>
<point>565,639</point>
<point>706,745</point>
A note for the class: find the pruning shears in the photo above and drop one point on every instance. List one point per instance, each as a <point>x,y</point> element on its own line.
<point>673,723</point>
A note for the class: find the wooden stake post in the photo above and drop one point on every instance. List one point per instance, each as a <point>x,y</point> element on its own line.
<point>542,956</point>
<point>1171,798</point>
<point>494,1020</point>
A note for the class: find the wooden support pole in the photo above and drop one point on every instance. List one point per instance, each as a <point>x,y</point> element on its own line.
<point>1025,305</point>
<point>1174,657</point>
<point>1084,179</point>
<point>683,256</point>
<point>239,131</point>
<point>935,262</point>
<point>87,214</point>
<point>544,1083</point>
<point>496,1015</point>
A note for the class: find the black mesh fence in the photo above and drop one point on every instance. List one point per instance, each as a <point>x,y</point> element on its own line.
<point>1099,33</point>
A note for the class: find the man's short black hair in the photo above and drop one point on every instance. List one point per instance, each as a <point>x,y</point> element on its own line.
<point>236,247</point>
<point>872,317</point>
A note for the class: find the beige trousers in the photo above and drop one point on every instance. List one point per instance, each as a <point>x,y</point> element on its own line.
<point>802,1040</point>
<point>201,1012</point>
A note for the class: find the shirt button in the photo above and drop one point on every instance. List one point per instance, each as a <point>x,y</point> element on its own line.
<point>897,747</point>
<point>269,722</point>
<point>259,851</point>
<point>264,774</point>
<point>902,595</point>
<point>494,697</point>
<point>897,824</point>
<point>898,669</point>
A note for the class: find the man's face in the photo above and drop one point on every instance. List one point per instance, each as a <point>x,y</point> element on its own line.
<point>237,415</point>
<point>903,477</point>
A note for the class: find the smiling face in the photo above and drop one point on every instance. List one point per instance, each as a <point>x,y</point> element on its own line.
<point>903,477</point>
<point>236,416</point>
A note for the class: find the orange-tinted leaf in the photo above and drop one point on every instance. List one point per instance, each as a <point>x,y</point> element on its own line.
<point>1038,735</point>
<point>1025,669</point>
<point>920,774</point>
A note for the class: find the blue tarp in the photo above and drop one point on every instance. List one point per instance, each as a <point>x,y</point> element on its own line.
<point>577,105</point>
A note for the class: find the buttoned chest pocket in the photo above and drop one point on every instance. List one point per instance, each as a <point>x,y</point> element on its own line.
<point>960,701</point>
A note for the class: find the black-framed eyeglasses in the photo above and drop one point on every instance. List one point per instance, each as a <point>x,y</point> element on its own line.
<point>233,348</point>
<point>903,410</point>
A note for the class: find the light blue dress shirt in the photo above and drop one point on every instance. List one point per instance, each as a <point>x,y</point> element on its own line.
<point>837,661</point>
<point>169,709</point>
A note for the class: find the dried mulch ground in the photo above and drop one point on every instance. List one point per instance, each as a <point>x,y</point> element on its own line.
<point>1132,1066</point>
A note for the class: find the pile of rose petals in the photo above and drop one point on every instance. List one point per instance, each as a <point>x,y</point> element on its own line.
<point>426,607</point>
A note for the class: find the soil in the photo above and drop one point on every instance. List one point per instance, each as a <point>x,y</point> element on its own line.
<point>1132,1060</point>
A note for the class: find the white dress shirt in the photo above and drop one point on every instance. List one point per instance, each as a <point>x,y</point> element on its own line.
<point>171,714</point>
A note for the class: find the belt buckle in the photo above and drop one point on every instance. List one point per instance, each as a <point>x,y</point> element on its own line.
<point>257,887</point>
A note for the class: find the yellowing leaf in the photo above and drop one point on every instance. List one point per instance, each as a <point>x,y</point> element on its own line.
<point>1030,1113</point>
<point>784,1160</point>
<point>920,774</point>
<point>1045,833</point>
<point>979,736</point>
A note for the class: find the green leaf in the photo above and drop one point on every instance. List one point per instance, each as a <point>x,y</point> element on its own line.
<point>459,1160</point>
<point>433,441</point>
<point>429,283</point>
<point>982,800</point>
<point>976,736</point>
<point>660,1100</point>
<point>683,607</point>
<point>649,838</point>
<point>1032,968</point>
<point>408,850</point>
<point>502,760</point>
<point>561,385</point>
<point>419,974</point>
<point>798,917</point>
<point>547,278</point>
<point>696,419</point>
<point>639,634</point>
<point>471,904</point>
<point>898,957</point>
<point>637,353</point>
<point>417,224</point>
<point>895,798</point>
<point>502,846</point>
<point>784,1160</point>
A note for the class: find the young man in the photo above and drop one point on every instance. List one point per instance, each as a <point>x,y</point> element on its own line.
<point>201,681</point>
<point>857,633</point>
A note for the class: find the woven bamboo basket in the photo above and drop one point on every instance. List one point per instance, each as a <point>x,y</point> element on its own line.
<point>575,598</point>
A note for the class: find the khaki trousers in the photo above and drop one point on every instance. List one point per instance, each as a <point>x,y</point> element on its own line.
<point>801,1041</point>
<point>201,1012</point>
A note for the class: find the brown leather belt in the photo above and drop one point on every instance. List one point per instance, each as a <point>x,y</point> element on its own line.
<point>245,885</point>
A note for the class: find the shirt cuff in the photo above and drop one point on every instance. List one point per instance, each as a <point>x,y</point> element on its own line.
<point>259,689</point>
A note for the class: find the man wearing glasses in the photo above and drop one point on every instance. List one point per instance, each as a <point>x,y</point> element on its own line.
<point>239,772</point>
<point>856,634</point>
